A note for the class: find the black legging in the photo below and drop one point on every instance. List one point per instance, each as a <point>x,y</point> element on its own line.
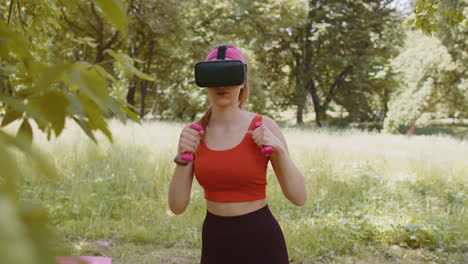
<point>252,238</point>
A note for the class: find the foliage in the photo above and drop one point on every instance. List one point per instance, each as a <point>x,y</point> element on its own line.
<point>429,77</point>
<point>428,13</point>
<point>48,88</point>
<point>273,36</point>
<point>328,51</point>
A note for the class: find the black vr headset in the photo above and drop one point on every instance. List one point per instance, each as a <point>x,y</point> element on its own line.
<point>220,72</point>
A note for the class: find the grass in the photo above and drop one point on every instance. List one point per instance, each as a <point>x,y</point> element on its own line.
<point>372,198</point>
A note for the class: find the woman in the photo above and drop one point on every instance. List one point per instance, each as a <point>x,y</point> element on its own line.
<point>228,163</point>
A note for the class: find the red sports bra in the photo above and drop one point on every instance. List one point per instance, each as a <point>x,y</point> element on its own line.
<point>233,175</point>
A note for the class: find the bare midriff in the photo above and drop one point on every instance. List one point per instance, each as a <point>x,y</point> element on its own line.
<point>234,208</point>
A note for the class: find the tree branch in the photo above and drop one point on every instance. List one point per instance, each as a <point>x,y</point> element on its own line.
<point>71,24</point>
<point>204,36</point>
<point>432,104</point>
<point>20,17</point>
<point>112,40</point>
<point>336,84</point>
<point>99,55</point>
<point>9,11</point>
<point>84,13</point>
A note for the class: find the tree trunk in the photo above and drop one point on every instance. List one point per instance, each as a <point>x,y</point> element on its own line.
<point>3,81</point>
<point>131,92</point>
<point>144,83</point>
<point>411,129</point>
<point>133,80</point>
<point>304,64</point>
<point>297,80</point>
<point>319,117</point>
<point>335,86</point>
<point>386,98</point>
<point>142,98</point>
<point>312,91</point>
<point>100,35</point>
<point>299,113</point>
<point>155,105</point>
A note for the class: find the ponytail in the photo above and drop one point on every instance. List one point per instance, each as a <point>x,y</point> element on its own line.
<point>205,118</point>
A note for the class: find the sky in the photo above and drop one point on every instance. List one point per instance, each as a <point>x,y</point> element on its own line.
<point>402,5</point>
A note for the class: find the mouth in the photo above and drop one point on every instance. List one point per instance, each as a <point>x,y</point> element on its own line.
<point>221,93</point>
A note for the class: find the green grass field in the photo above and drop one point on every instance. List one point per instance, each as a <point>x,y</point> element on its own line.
<point>372,198</point>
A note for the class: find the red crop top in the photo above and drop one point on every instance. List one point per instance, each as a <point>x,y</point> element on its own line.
<point>233,175</point>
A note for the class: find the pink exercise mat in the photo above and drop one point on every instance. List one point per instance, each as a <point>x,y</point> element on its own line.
<point>83,260</point>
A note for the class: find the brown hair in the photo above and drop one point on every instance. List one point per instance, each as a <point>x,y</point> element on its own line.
<point>242,101</point>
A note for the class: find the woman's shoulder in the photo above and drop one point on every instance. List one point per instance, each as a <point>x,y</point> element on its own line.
<point>249,114</point>
<point>265,118</point>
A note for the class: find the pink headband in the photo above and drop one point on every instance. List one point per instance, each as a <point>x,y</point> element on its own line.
<point>231,52</point>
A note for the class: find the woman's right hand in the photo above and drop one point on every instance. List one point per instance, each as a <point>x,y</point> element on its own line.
<point>189,140</point>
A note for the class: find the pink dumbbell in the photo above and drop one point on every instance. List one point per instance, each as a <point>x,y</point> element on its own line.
<point>265,150</point>
<point>187,156</point>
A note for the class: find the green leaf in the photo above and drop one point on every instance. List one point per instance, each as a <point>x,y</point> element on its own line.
<point>460,17</point>
<point>419,22</point>
<point>75,107</point>
<point>138,60</point>
<point>141,74</point>
<point>53,106</point>
<point>112,53</point>
<point>96,86</point>
<point>127,64</point>
<point>10,116</point>
<point>130,113</point>
<point>40,160</point>
<point>47,76</point>
<point>103,73</point>
<point>86,129</point>
<point>116,110</point>
<point>12,42</point>
<point>86,41</point>
<point>85,79</point>
<point>114,11</point>
<point>104,129</point>
<point>25,131</point>
<point>95,115</point>
<point>19,105</point>
<point>410,22</point>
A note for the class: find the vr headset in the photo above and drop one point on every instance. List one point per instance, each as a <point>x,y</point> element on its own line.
<point>220,72</point>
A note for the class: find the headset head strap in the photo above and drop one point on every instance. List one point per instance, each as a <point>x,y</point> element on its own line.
<point>221,52</point>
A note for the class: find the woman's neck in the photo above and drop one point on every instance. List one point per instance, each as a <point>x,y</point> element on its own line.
<point>225,116</point>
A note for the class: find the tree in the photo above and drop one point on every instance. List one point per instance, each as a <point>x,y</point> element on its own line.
<point>326,49</point>
<point>430,77</point>
<point>156,31</point>
<point>429,14</point>
<point>48,79</point>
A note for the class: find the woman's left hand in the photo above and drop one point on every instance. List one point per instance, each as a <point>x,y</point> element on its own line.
<point>264,137</point>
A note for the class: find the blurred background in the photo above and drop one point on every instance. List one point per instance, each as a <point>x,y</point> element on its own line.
<point>372,97</point>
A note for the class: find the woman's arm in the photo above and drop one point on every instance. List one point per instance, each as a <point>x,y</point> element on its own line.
<point>180,188</point>
<point>291,180</point>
